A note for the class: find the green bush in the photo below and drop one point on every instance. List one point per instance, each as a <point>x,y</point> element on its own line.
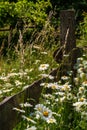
<point>83,31</point>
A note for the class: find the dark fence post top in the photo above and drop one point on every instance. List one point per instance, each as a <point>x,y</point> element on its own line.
<point>67,29</point>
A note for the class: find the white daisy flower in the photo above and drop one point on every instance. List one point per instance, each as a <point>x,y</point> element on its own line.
<point>81,89</point>
<point>84,84</point>
<point>64,78</point>
<point>39,107</point>
<point>66,87</point>
<point>17,83</point>
<point>52,85</point>
<point>80,70</point>
<point>44,112</point>
<point>43,67</point>
<point>79,104</point>
<point>51,120</point>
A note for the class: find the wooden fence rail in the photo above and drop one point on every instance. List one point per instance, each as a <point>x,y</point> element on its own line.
<point>8,117</point>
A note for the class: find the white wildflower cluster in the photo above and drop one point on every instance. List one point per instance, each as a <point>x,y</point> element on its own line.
<point>12,81</point>
<point>81,67</point>
<point>44,113</point>
<point>65,78</point>
<point>56,96</point>
<point>48,114</point>
<point>52,85</point>
<point>43,67</point>
<point>80,103</point>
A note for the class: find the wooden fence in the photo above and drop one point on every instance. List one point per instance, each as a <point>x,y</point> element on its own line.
<point>8,117</point>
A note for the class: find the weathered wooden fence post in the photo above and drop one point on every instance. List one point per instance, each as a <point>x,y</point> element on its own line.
<point>67,54</point>
<point>67,30</point>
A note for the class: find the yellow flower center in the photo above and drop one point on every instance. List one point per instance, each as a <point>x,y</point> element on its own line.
<point>45,113</point>
<point>81,99</point>
<point>43,66</point>
<point>53,86</point>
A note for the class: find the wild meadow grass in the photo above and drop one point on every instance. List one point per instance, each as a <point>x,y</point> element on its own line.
<point>64,108</point>
<point>22,63</point>
<point>23,67</point>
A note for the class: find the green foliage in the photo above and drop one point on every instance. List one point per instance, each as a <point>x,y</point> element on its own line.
<point>7,13</point>
<point>83,24</point>
<point>83,31</point>
<point>28,11</point>
<point>16,15</point>
<point>35,12</point>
